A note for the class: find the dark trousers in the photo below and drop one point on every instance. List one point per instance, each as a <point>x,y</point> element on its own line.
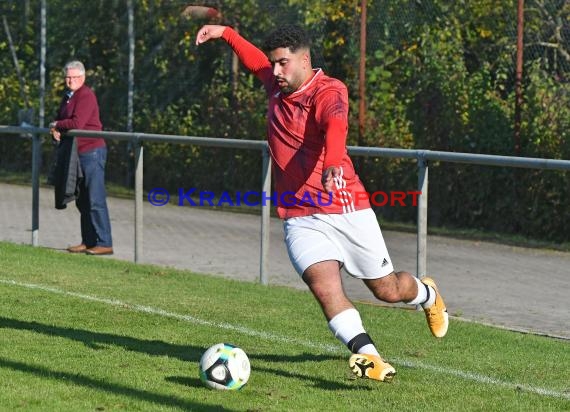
<point>92,200</point>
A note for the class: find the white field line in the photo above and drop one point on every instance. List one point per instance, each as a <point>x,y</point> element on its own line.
<point>334,349</point>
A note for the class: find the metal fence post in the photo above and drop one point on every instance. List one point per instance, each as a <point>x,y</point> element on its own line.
<point>421,269</point>
<point>36,165</point>
<point>138,199</point>
<point>265,215</point>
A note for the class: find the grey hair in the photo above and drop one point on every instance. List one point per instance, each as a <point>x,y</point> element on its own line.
<point>74,64</point>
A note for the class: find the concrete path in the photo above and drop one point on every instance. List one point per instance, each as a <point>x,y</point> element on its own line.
<point>513,287</point>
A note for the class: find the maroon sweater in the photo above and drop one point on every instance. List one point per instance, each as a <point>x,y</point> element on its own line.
<point>81,111</point>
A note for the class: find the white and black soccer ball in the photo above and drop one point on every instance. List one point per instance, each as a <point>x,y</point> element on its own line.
<point>224,366</point>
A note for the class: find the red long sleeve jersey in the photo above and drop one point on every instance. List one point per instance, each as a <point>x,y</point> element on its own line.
<point>306,133</point>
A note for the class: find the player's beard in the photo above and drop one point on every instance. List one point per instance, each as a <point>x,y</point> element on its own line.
<point>288,86</point>
<point>285,87</point>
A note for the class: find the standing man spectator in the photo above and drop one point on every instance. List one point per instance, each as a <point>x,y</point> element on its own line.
<point>307,130</point>
<point>79,110</point>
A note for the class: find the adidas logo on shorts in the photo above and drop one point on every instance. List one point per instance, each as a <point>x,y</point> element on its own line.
<point>384,262</point>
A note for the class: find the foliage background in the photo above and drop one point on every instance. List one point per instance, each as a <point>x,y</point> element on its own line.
<point>440,75</point>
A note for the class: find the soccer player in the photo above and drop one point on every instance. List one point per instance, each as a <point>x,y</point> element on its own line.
<point>307,129</point>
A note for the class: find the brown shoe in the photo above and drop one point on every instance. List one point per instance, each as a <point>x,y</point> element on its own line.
<point>77,249</point>
<point>99,250</point>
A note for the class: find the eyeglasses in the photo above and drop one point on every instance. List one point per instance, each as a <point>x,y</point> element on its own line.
<point>72,77</point>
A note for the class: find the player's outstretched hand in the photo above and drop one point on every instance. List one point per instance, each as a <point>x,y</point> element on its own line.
<point>208,32</point>
<point>328,178</point>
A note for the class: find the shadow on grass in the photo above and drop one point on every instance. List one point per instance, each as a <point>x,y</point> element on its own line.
<point>317,382</point>
<point>114,388</point>
<point>97,340</point>
<point>187,353</point>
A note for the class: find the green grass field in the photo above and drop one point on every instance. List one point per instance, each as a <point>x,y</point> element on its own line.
<point>81,333</point>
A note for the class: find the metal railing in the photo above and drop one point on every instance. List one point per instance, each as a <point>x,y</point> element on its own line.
<point>422,157</point>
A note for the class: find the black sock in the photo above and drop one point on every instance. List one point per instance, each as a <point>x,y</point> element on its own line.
<point>358,342</point>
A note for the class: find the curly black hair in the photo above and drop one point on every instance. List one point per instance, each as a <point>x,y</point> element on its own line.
<point>289,36</point>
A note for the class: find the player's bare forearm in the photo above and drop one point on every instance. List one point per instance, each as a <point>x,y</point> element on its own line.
<point>209,32</point>
<point>328,178</point>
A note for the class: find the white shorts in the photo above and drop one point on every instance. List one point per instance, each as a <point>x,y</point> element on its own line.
<point>354,239</point>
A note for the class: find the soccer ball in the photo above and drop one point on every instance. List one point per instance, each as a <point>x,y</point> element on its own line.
<point>224,366</point>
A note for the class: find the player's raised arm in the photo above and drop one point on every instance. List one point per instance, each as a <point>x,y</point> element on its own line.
<point>209,32</point>
<point>251,56</point>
